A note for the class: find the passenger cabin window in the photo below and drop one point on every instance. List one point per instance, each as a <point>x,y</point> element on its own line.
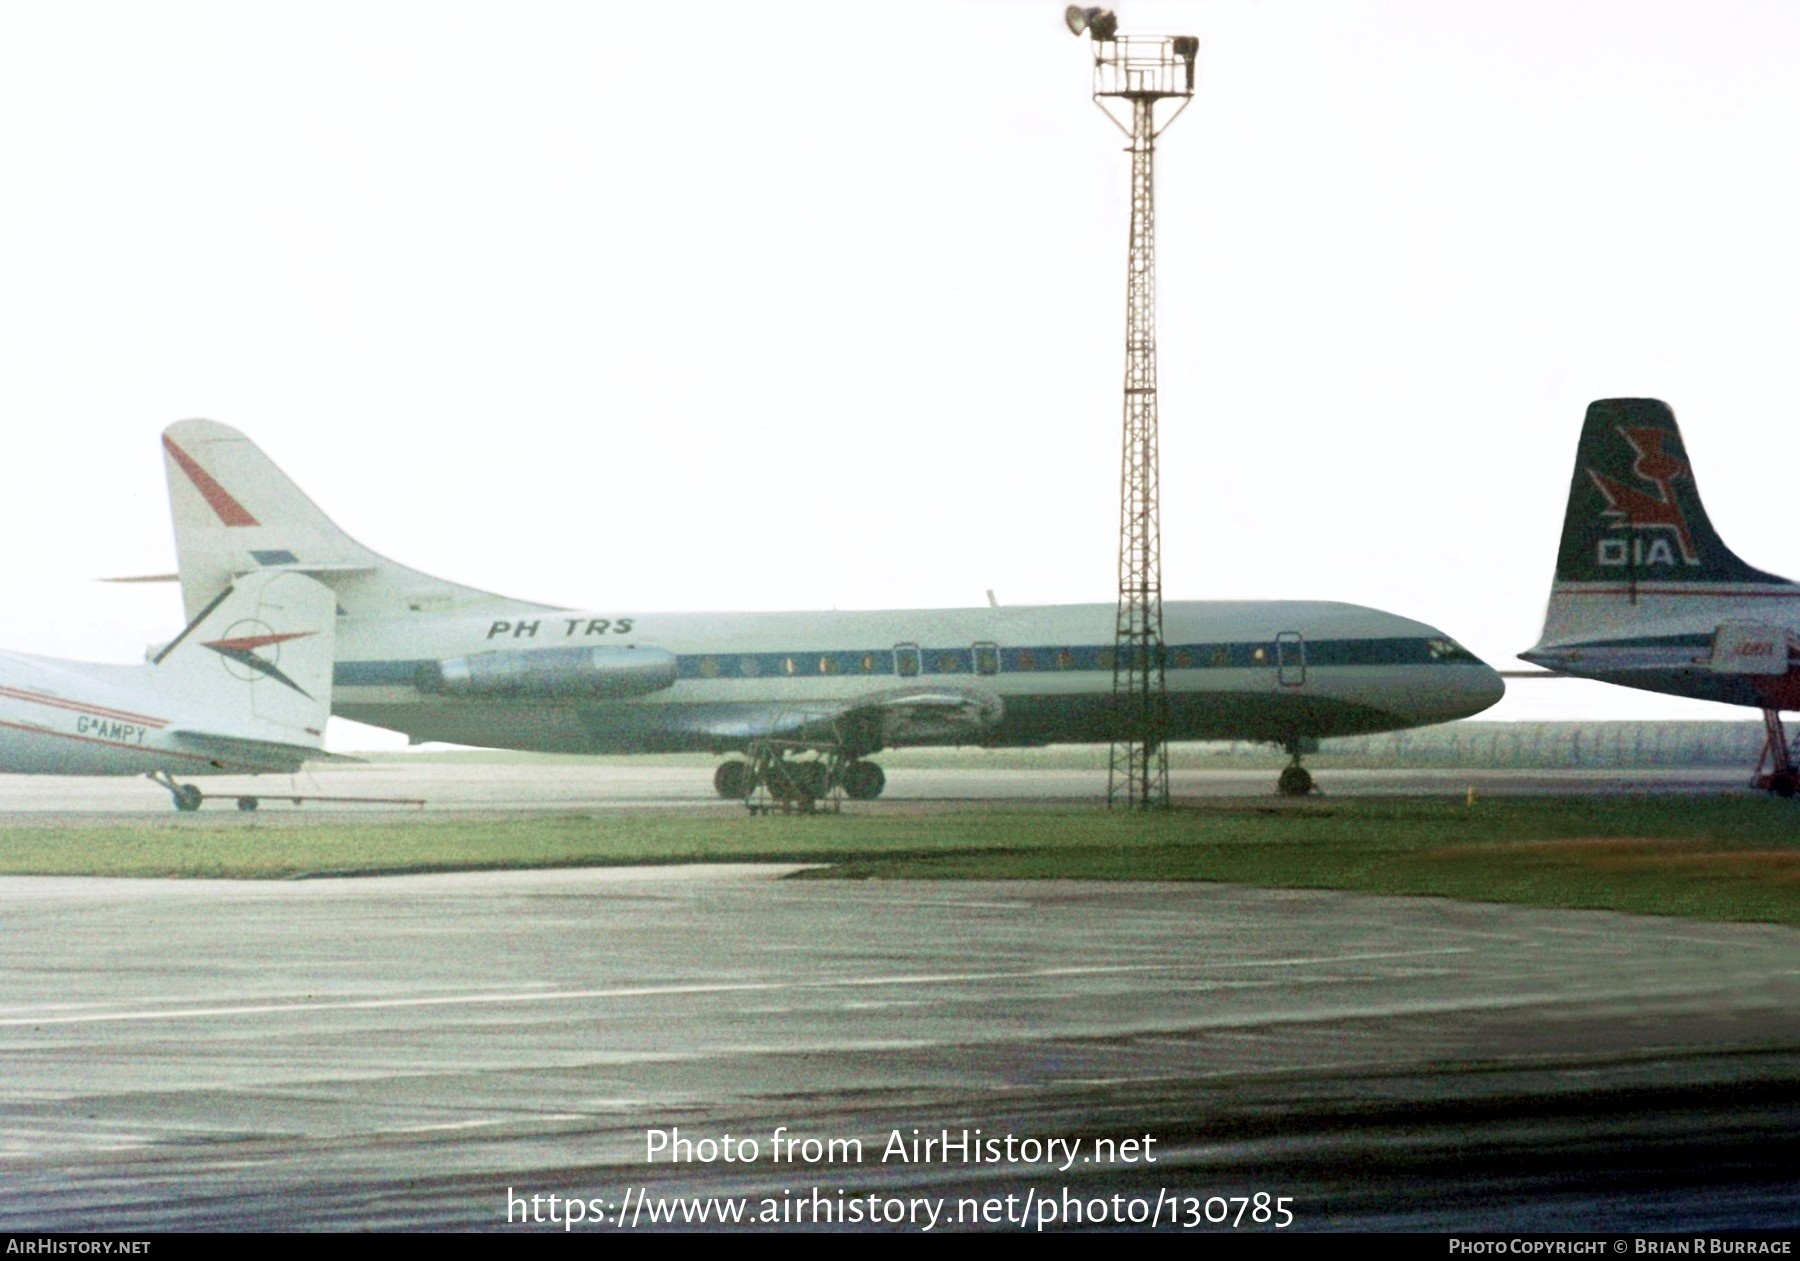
<point>987,658</point>
<point>949,662</point>
<point>906,660</point>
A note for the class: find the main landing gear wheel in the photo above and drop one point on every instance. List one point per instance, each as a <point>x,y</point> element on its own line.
<point>733,780</point>
<point>796,782</point>
<point>1295,781</point>
<point>1783,776</point>
<point>247,804</point>
<point>187,796</point>
<point>802,774</point>
<point>863,781</point>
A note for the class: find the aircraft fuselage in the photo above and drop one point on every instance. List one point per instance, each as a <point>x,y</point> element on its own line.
<point>1670,641</point>
<point>75,718</point>
<point>1273,671</point>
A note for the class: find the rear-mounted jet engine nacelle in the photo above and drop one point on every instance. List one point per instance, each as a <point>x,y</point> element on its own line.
<point>552,672</point>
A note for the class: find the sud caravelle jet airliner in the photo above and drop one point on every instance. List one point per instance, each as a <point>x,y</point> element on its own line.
<point>1646,593</point>
<point>809,696</point>
<point>246,688</point>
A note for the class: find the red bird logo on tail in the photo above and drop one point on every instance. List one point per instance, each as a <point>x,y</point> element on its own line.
<point>1637,510</point>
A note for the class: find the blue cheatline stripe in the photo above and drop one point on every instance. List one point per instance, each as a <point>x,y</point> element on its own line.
<point>964,660</point>
<point>1700,640</point>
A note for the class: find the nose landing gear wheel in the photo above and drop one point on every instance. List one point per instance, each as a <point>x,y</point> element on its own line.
<point>1295,781</point>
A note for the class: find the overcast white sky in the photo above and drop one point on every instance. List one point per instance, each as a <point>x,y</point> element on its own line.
<point>816,305</point>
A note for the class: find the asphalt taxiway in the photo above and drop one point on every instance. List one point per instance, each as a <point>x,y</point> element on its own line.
<point>390,788</point>
<point>432,1051</point>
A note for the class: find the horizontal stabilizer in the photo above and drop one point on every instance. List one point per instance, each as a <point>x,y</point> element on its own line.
<point>1750,648</point>
<point>260,755</point>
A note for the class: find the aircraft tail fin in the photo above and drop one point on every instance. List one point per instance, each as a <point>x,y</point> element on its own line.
<point>1634,513</point>
<point>255,667</point>
<point>236,513</point>
<point>1635,529</point>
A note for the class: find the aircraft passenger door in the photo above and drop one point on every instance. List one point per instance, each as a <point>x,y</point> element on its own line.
<point>987,657</point>
<point>1290,659</point>
<point>906,660</point>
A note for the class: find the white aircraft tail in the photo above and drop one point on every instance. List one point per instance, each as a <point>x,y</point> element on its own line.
<point>254,669</point>
<point>236,513</point>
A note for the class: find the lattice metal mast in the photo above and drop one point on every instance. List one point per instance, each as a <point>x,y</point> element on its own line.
<point>1141,72</point>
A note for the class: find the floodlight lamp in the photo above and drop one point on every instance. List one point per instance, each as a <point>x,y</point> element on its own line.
<point>1187,47</point>
<point>1102,24</point>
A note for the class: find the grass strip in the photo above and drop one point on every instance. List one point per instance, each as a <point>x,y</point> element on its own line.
<point>1703,857</point>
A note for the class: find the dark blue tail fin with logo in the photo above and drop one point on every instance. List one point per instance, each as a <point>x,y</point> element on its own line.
<point>1634,512</point>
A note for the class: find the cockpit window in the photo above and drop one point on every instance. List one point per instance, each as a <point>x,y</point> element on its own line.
<point>1450,650</point>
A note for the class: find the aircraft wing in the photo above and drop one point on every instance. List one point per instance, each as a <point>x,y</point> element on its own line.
<point>888,719</point>
<point>930,714</point>
<point>256,755</point>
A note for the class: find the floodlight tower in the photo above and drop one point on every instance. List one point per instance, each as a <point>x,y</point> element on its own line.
<point>1143,72</point>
